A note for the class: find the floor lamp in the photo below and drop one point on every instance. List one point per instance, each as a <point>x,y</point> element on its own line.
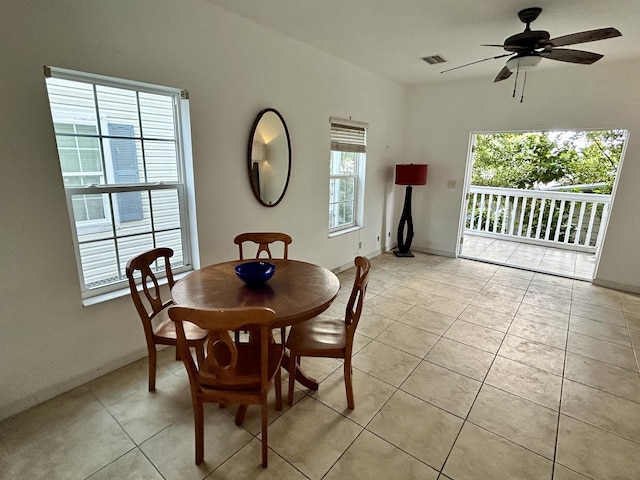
<point>409,175</point>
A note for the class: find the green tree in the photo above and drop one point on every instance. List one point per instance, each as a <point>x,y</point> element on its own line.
<point>597,159</point>
<point>531,160</point>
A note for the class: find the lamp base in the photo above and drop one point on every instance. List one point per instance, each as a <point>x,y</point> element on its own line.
<point>403,254</point>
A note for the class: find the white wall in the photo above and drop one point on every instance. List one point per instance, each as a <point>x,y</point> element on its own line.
<point>440,119</point>
<point>232,69</point>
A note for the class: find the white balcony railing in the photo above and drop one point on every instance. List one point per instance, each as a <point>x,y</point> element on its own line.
<point>573,221</point>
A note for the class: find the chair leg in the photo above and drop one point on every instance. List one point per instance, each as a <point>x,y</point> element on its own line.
<point>198,414</point>
<point>292,377</point>
<point>265,445</point>
<point>240,414</point>
<point>348,383</point>
<point>152,369</point>
<point>278,387</point>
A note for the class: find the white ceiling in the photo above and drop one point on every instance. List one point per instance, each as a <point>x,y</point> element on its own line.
<point>390,37</point>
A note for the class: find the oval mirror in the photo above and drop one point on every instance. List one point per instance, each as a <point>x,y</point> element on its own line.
<point>269,157</point>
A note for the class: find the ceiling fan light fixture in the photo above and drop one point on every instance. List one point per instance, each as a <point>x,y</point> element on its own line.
<point>523,63</point>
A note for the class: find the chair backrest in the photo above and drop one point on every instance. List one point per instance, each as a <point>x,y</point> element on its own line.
<point>147,264</point>
<point>263,240</point>
<point>356,299</point>
<point>222,367</point>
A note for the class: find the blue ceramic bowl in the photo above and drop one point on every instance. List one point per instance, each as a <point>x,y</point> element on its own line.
<point>254,273</point>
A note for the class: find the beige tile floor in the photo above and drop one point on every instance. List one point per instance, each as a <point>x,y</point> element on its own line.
<point>463,370</point>
<point>556,261</point>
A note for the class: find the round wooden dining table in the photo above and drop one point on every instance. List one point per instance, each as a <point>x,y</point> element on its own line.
<point>297,292</point>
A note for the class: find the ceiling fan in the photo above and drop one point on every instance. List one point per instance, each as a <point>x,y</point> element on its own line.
<point>528,48</point>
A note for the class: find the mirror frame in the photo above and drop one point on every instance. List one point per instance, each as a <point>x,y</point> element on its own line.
<point>254,187</point>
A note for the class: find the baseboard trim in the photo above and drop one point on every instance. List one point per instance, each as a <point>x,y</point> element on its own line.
<point>616,286</point>
<point>431,251</point>
<point>347,266</point>
<point>40,396</point>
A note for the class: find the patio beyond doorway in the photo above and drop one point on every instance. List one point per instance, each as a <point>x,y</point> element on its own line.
<point>543,259</point>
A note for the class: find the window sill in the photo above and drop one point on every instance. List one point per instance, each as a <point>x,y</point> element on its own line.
<point>346,230</point>
<point>123,292</point>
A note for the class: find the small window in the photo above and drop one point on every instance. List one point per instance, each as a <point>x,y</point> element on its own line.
<point>121,154</point>
<point>346,174</point>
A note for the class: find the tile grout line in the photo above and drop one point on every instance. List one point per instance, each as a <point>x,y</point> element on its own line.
<point>466,419</point>
<point>564,367</point>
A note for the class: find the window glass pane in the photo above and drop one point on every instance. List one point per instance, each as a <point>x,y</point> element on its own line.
<point>343,163</point>
<point>161,161</point>
<point>129,247</point>
<point>92,217</point>
<point>86,129</point>
<point>69,160</point>
<point>132,213</point>
<point>347,189</point>
<point>78,154</point>
<point>119,106</point>
<point>88,142</point>
<point>123,157</point>
<point>341,214</point>
<point>90,161</point>
<point>99,265</point>
<point>64,128</point>
<point>65,141</point>
<point>88,207</point>
<point>166,211</point>
<point>172,239</point>
<point>156,112</point>
<point>71,103</point>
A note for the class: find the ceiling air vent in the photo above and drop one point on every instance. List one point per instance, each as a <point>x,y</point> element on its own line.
<point>434,59</point>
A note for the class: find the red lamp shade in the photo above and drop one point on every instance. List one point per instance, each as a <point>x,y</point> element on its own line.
<point>411,174</point>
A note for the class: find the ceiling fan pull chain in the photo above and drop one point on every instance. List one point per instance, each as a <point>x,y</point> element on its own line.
<point>515,84</point>
<point>524,82</point>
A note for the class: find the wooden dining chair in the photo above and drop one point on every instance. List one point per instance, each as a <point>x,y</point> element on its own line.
<point>158,328</point>
<point>324,337</point>
<point>263,240</point>
<point>231,372</point>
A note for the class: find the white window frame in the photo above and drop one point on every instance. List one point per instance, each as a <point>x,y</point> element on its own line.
<point>349,136</point>
<point>184,260</point>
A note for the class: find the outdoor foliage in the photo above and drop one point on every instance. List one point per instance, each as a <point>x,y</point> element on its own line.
<point>537,159</point>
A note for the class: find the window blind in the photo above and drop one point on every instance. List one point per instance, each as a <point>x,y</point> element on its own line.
<point>348,136</point>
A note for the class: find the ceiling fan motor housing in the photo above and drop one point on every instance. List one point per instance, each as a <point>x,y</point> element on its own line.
<point>529,40</point>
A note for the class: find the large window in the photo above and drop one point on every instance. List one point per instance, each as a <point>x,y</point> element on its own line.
<point>346,174</point>
<point>121,152</point>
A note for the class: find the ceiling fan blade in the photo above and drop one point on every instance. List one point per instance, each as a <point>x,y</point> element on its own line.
<point>583,37</point>
<point>571,56</point>
<point>512,47</point>
<point>502,74</point>
<point>477,61</point>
